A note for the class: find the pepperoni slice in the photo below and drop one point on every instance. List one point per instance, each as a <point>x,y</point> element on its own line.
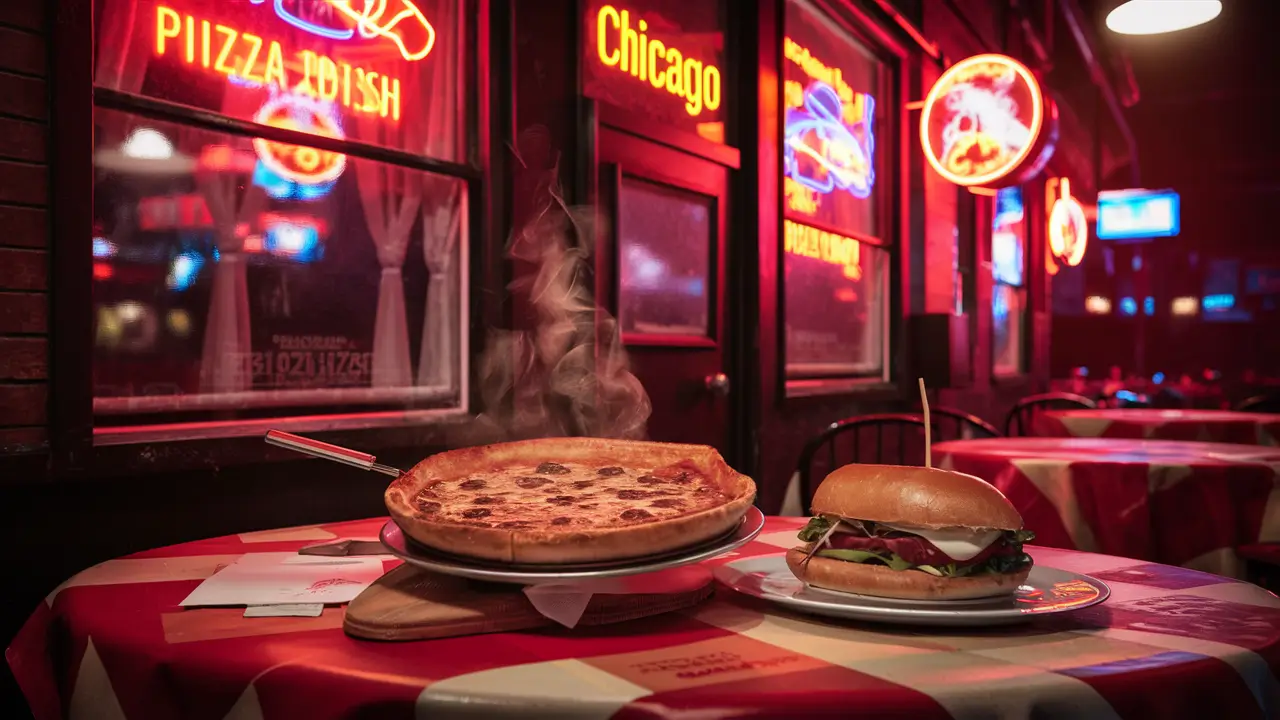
<point>515,524</point>
<point>528,482</point>
<point>561,500</point>
<point>476,513</point>
<point>550,468</point>
<point>427,507</point>
<point>610,471</point>
<point>488,500</point>
<point>561,521</point>
<point>472,484</point>
<point>582,484</point>
<point>636,514</point>
<point>632,494</point>
<point>648,480</point>
<point>667,503</point>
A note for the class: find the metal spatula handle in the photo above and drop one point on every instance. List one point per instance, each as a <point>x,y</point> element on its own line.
<point>327,451</point>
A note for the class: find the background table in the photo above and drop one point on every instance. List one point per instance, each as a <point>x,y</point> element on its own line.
<point>1170,643</point>
<point>1204,425</point>
<point>1181,503</point>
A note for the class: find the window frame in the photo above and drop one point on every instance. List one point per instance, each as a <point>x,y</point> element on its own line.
<point>75,448</point>
<point>892,221</point>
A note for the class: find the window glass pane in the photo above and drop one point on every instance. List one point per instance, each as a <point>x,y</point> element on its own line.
<point>836,300</point>
<point>661,58</point>
<point>388,73</point>
<point>833,113</point>
<point>224,290</point>
<point>664,259</point>
<point>1008,314</point>
<point>1008,237</point>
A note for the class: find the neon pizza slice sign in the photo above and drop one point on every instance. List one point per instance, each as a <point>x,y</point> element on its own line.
<point>399,21</point>
<point>1068,227</point>
<point>987,123</point>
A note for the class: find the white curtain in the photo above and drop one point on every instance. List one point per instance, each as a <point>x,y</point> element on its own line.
<point>391,197</point>
<point>442,229</point>
<point>224,365</point>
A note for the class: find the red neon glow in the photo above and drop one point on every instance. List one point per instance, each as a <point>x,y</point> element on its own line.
<point>234,53</point>
<point>1068,228</point>
<point>103,271</point>
<point>982,120</point>
<point>303,165</point>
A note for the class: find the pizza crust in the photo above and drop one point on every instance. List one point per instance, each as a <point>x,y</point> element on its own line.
<point>543,543</point>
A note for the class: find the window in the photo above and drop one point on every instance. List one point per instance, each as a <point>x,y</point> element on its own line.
<point>1009,292</point>
<point>241,276</point>
<point>836,259</point>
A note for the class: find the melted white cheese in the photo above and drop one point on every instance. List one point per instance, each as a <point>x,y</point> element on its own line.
<point>955,543</point>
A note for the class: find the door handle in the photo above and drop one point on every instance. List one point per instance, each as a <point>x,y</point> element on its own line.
<point>718,384</point>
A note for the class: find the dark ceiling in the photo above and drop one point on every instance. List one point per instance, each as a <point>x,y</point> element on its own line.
<point>1209,98</point>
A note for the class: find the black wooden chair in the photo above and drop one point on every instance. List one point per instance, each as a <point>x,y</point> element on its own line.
<point>1268,403</point>
<point>845,441</point>
<point>1019,418</point>
<point>960,425</point>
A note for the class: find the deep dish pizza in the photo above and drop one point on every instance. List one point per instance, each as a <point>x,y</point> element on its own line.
<point>569,500</point>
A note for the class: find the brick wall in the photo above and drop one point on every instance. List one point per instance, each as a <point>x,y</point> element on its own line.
<point>24,227</point>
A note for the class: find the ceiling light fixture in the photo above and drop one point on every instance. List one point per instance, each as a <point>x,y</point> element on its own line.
<point>1152,17</point>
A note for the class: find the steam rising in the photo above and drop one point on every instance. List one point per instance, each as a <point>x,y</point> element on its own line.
<point>568,375</point>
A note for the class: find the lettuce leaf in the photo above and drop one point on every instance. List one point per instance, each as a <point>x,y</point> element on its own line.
<point>1018,537</point>
<point>861,556</point>
<point>816,528</point>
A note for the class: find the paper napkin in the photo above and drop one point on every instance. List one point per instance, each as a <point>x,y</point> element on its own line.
<point>285,578</point>
<point>565,602</point>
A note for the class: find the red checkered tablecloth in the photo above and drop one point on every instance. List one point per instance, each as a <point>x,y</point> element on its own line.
<point>1144,423</point>
<point>1170,643</point>
<point>1180,503</point>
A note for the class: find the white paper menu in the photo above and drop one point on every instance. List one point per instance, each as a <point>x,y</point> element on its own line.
<point>282,578</point>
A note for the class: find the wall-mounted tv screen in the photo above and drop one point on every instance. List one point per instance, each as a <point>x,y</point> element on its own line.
<point>1138,214</point>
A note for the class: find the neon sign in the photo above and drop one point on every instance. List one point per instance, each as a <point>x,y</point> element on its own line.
<point>828,140</point>
<point>986,122</point>
<point>631,50</point>
<point>1068,228</point>
<point>1137,214</point>
<point>254,59</point>
<point>825,246</point>
<point>298,163</point>
<point>370,23</point>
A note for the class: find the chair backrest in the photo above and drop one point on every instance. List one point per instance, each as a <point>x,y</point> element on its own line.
<point>960,425</point>
<point>842,443</point>
<point>1267,403</point>
<point>1019,418</point>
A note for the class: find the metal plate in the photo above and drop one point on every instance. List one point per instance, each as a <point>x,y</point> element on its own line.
<point>1047,591</point>
<point>407,550</point>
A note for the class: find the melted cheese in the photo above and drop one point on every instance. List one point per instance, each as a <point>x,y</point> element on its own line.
<point>956,543</point>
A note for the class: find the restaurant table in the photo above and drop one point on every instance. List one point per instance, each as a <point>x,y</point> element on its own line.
<point>1180,503</point>
<point>1204,425</point>
<point>1169,643</point>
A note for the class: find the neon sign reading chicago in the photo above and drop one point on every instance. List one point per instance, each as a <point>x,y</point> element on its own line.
<point>828,247</point>
<point>828,139</point>
<point>236,54</point>
<point>408,29</point>
<point>630,50</point>
<point>986,120</point>
<point>1068,227</point>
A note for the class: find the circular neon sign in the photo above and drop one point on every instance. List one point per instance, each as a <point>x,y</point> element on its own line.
<point>1068,227</point>
<point>987,123</point>
<point>301,164</point>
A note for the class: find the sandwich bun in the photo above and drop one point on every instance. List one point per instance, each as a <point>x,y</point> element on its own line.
<point>923,497</point>
<point>881,581</point>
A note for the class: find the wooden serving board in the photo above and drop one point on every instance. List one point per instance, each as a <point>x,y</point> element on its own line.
<point>412,604</point>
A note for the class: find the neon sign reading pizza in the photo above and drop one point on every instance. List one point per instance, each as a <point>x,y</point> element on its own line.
<point>828,247</point>
<point>986,122</point>
<point>629,49</point>
<point>236,54</point>
<point>828,140</point>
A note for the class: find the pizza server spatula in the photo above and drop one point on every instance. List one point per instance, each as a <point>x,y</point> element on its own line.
<point>327,451</point>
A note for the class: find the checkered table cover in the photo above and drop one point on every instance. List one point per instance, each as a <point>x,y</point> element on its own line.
<point>1170,643</point>
<point>1179,503</point>
<point>1225,426</point>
